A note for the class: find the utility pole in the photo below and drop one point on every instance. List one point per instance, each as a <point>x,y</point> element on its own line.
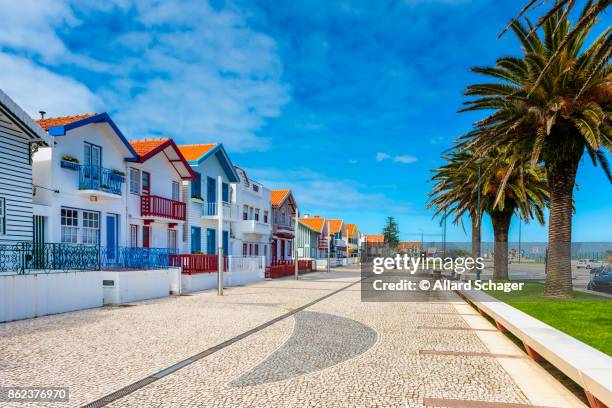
<point>220,236</point>
<point>295,241</point>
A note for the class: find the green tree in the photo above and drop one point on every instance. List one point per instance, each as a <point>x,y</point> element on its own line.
<point>506,187</point>
<point>550,105</point>
<point>391,232</point>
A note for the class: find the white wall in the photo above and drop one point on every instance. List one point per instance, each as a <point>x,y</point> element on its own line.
<point>48,173</point>
<point>243,231</point>
<point>26,296</point>
<point>241,271</point>
<point>133,286</point>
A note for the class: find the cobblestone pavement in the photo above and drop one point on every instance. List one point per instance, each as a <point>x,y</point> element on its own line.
<point>353,353</point>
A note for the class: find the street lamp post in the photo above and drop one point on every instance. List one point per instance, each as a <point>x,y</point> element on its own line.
<point>295,241</point>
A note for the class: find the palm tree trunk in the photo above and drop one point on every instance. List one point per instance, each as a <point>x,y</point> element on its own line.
<point>561,180</point>
<point>501,225</point>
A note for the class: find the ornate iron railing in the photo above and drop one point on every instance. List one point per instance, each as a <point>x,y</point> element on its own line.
<point>25,257</point>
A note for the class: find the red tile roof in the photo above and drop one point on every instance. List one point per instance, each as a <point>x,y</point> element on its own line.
<point>195,151</point>
<point>375,238</point>
<point>62,120</point>
<point>335,226</point>
<point>142,147</point>
<point>278,196</point>
<point>314,223</point>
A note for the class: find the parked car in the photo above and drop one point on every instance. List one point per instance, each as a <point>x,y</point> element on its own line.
<point>602,282</point>
<point>589,263</point>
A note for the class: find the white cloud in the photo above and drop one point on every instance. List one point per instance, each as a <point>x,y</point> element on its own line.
<point>380,156</point>
<point>188,71</point>
<point>405,159</point>
<point>35,88</point>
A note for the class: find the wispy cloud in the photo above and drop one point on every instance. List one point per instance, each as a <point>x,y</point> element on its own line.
<point>405,159</point>
<point>380,156</point>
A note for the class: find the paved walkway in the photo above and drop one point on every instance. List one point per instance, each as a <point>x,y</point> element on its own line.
<point>336,352</point>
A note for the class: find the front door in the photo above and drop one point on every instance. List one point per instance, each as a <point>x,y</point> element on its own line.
<point>196,240</point>
<point>282,249</point>
<point>211,241</point>
<point>111,235</point>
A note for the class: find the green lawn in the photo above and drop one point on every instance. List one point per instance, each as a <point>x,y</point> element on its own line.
<point>586,317</point>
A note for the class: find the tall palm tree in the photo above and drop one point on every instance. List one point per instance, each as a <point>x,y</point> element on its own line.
<point>506,186</point>
<point>552,120</point>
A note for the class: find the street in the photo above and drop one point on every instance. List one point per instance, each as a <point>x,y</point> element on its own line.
<point>284,343</point>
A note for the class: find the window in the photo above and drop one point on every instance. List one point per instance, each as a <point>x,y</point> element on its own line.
<point>255,188</point>
<point>146,236</point>
<point>134,181</point>
<point>225,196</point>
<point>250,249</point>
<point>133,235</point>
<point>196,186</point>
<point>257,214</point>
<point>176,191</point>
<point>245,212</point>
<point>266,217</point>
<point>244,249</point>
<point>250,213</point>
<point>70,226</point>
<point>146,182</point>
<point>2,216</point>
<point>256,249</point>
<point>172,239</point>
<point>91,227</point>
<point>265,250</point>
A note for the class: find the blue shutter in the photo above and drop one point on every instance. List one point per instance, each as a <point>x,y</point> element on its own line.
<point>196,185</point>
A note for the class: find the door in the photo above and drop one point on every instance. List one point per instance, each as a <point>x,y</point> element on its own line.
<point>196,240</point>
<point>92,156</point>
<point>225,242</point>
<point>111,236</point>
<point>282,249</point>
<point>38,242</point>
<point>146,236</point>
<point>176,191</point>
<point>211,241</point>
<point>146,183</point>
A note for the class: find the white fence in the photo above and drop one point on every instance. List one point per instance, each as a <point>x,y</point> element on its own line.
<point>241,270</point>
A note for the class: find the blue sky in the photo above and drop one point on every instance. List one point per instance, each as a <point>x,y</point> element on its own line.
<point>348,103</point>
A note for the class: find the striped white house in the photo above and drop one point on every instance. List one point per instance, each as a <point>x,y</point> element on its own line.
<point>20,136</point>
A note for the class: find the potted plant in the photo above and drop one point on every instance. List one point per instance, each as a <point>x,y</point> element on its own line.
<point>69,162</point>
<point>119,172</point>
<point>197,198</point>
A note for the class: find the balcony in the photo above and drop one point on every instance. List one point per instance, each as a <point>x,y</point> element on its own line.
<point>210,211</point>
<point>97,180</point>
<point>339,243</point>
<point>253,227</point>
<point>152,206</point>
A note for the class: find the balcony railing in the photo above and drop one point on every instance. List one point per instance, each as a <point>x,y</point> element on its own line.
<point>100,178</point>
<point>156,206</point>
<point>210,210</point>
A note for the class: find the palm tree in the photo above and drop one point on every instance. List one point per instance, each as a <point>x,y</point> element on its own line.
<point>552,119</point>
<point>506,186</point>
<point>455,192</point>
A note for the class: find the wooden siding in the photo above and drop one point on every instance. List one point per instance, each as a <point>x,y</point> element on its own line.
<point>15,181</point>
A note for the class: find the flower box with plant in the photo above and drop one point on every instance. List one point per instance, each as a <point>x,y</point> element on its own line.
<point>69,162</point>
<point>198,198</point>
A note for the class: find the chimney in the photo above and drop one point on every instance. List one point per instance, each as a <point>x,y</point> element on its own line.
<point>42,114</point>
<point>316,216</point>
<point>306,216</point>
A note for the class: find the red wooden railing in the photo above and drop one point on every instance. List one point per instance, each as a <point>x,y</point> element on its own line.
<point>156,206</point>
<point>287,268</point>
<point>197,263</point>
